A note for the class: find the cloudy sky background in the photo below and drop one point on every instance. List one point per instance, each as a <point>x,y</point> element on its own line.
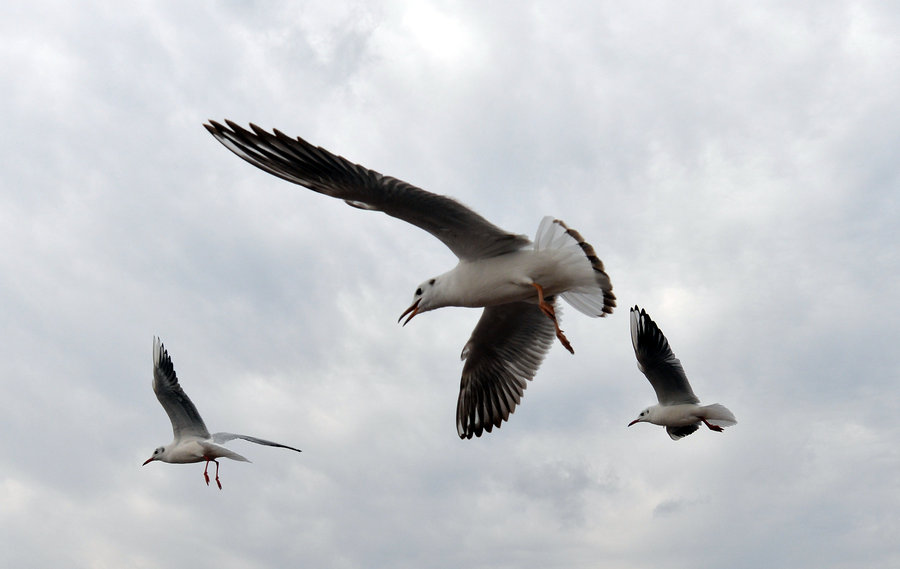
<point>733,164</point>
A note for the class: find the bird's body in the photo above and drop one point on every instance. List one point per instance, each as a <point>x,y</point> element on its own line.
<point>678,410</point>
<point>195,449</point>
<point>515,281</point>
<point>510,278</point>
<point>191,441</point>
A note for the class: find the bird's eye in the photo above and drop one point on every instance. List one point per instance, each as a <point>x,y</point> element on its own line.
<point>419,291</point>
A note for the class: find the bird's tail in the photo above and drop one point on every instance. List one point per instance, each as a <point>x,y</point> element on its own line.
<point>597,300</point>
<point>224,452</point>
<point>719,415</point>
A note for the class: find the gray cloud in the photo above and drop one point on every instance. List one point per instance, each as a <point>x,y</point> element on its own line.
<point>734,166</point>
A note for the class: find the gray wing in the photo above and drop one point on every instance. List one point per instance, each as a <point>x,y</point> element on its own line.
<point>506,348</point>
<point>466,233</point>
<point>220,438</point>
<point>185,419</point>
<point>657,361</point>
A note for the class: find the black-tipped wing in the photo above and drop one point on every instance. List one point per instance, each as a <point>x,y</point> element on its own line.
<point>466,233</point>
<point>657,361</point>
<point>185,419</point>
<point>220,438</point>
<point>505,350</point>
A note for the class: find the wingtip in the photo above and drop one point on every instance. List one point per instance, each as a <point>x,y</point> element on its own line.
<point>161,357</point>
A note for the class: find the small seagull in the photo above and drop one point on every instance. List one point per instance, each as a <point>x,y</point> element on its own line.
<point>679,410</point>
<point>192,442</point>
<point>515,281</point>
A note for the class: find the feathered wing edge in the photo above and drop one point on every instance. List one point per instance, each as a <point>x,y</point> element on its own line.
<point>465,232</point>
<point>220,438</point>
<point>182,412</point>
<point>504,352</point>
<point>657,361</point>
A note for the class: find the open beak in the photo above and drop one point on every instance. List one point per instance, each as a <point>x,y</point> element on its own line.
<point>412,311</point>
<point>633,422</point>
<point>148,461</point>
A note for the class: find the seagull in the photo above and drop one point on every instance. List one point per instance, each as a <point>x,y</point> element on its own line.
<point>192,442</point>
<point>679,410</point>
<point>514,281</point>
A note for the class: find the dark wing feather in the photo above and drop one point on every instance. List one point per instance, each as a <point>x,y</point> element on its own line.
<point>220,438</point>
<point>466,233</point>
<point>657,361</point>
<point>676,433</point>
<point>182,413</point>
<point>506,348</point>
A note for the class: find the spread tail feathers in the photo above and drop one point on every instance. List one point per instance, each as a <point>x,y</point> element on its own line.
<point>719,415</point>
<point>594,301</point>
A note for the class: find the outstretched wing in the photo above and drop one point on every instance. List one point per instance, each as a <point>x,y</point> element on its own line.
<point>182,413</point>
<point>466,233</point>
<point>220,438</point>
<point>506,348</point>
<point>657,361</point>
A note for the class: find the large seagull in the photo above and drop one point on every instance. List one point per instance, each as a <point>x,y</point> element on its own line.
<point>515,281</point>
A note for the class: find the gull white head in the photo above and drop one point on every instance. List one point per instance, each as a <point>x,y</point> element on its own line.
<point>424,299</point>
<point>158,454</point>
<point>645,416</point>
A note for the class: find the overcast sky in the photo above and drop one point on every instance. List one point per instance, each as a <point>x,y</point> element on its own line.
<point>735,166</point>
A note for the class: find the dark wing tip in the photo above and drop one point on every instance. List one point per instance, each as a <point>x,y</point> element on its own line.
<point>645,334</point>
<point>161,357</point>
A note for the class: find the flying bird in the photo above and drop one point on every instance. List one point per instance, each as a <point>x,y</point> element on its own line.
<point>678,410</point>
<point>192,442</point>
<point>515,281</point>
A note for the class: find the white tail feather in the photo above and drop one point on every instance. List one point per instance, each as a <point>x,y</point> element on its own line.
<point>595,300</point>
<point>586,300</point>
<point>719,415</point>
<point>551,235</point>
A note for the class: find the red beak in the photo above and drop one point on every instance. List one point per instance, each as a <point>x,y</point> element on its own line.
<point>633,422</point>
<point>412,311</point>
<point>148,461</point>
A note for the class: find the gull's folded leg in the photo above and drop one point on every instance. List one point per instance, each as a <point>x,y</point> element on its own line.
<point>548,309</point>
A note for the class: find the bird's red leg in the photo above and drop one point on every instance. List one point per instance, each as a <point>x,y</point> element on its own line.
<point>217,474</point>
<point>547,309</point>
<point>712,427</point>
<point>205,474</point>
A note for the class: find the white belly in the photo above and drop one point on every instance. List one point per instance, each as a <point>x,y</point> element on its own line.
<point>510,278</point>
<point>676,415</point>
<point>187,451</point>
